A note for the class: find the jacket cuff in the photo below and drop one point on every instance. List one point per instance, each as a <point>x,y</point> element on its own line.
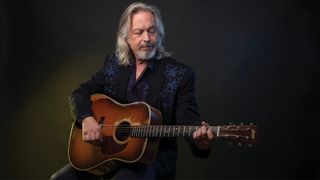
<point>200,153</point>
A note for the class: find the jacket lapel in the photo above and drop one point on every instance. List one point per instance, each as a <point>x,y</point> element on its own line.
<point>122,83</point>
<point>156,82</point>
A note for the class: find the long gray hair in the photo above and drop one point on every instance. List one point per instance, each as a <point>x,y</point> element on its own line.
<point>122,48</point>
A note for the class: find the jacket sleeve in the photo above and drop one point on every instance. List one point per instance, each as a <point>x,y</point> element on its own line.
<point>80,104</point>
<point>187,110</point>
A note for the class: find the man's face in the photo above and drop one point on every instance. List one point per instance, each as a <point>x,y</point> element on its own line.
<point>143,35</point>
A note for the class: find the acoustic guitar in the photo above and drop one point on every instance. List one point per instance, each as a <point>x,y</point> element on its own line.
<point>131,134</point>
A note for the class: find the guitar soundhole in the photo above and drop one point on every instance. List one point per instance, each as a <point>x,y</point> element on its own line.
<point>123,131</point>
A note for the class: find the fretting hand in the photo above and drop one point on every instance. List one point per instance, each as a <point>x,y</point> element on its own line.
<point>204,136</point>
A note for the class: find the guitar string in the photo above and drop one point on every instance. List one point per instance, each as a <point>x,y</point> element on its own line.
<point>161,127</point>
<point>180,126</point>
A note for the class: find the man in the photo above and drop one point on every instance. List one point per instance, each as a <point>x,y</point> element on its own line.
<point>142,70</point>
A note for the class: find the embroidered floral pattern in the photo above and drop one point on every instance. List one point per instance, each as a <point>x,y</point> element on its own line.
<point>110,73</point>
<point>174,75</point>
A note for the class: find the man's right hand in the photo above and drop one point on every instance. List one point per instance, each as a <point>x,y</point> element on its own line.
<point>91,130</point>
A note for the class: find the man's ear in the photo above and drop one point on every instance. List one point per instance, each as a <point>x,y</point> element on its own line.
<point>127,40</point>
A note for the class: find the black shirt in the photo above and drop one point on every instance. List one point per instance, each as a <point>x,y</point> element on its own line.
<point>138,88</point>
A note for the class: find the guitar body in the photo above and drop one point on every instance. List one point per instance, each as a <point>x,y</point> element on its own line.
<point>117,146</point>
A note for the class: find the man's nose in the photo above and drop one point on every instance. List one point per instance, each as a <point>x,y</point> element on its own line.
<point>146,36</point>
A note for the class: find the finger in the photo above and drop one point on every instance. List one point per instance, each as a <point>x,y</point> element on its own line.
<point>210,134</point>
<point>203,131</point>
<point>194,134</point>
<point>86,137</point>
<point>197,135</point>
<point>92,135</point>
<point>97,135</point>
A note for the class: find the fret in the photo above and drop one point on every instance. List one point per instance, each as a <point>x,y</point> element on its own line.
<point>153,131</point>
<point>184,128</point>
<point>150,131</point>
<point>189,131</point>
<point>147,131</point>
<point>137,131</point>
<point>186,131</point>
<point>169,132</point>
<point>140,131</point>
<point>157,129</point>
<point>133,132</point>
<point>166,131</point>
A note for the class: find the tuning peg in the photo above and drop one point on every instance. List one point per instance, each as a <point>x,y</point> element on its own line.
<point>241,124</point>
<point>251,124</point>
<point>239,144</point>
<point>250,145</point>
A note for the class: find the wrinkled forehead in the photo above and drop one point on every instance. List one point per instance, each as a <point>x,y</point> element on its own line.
<point>142,18</point>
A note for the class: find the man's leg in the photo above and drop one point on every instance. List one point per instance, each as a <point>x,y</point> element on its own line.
<point>68,172</point>
<point>141,172</point>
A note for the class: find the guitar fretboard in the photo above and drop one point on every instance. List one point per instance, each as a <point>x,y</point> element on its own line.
<point>166,131</point>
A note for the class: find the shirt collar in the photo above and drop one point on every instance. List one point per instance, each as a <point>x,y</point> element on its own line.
<point>150,65</point>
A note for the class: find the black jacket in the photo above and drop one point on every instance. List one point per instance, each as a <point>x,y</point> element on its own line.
<point>171,91</point>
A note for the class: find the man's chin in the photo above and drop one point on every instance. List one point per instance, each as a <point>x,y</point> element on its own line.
<point>146,55</point>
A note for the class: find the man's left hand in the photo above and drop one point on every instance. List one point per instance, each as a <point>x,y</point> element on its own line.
<point>204,136</point>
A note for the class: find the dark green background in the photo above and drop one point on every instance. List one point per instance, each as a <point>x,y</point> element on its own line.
<point>255,62</point>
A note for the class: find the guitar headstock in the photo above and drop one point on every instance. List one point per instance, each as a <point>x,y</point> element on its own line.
<point>246,134</point>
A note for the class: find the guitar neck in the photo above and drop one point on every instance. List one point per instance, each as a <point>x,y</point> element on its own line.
<point>159,131</point>
<point>239,133</point>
